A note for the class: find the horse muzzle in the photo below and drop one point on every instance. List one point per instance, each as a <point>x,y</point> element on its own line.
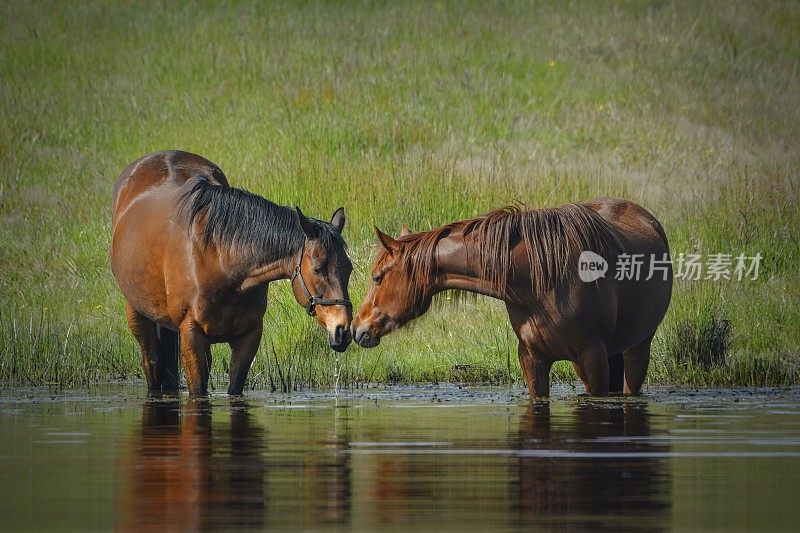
<point>340,339</point>
<point>365,338</point>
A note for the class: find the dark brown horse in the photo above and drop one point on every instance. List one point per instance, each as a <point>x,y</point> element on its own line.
<point>194,256</point>
<point>530,260</point>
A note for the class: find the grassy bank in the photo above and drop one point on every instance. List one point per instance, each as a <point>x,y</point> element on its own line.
<point>404,112</point>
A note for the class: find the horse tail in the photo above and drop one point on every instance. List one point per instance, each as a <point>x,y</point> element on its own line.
<point>661,232</point>
<point>168,351</point>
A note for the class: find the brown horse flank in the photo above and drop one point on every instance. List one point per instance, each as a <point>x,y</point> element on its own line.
<point>194,257</point>
<point>530,260</point>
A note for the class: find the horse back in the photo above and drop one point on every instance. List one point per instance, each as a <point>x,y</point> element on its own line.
<point>169,169</point>
<point>632,222</point>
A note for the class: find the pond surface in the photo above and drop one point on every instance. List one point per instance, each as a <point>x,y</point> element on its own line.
<point>432,457</point>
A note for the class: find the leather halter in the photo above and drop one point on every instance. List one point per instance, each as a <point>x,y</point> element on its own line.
<point>313,301</point>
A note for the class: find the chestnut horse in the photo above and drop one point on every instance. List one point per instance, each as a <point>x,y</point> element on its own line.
<point>193,258</point>
<point>530,260</point>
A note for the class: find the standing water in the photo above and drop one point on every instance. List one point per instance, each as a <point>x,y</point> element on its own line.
<point>422,457</point>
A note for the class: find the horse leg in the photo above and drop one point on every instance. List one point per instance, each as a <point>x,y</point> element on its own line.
<point>196,357</point>
<point>144,331</point>
<point>243,351</point>
<point>594,360</point>
<point>581,374</point>
<point>168,350</point>
<point>636,360</point>
<point>616,371</point>
<point>536,372</point>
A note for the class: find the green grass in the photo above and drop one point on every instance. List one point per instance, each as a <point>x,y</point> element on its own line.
<point>403,112</point>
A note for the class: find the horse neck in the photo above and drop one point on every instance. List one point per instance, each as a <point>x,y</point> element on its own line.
<point>270,270</point>
<point>264,268</point>
<point>456,261</point>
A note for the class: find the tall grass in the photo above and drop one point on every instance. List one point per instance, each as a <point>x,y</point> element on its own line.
<point>41,352</point>
<point>404,112</point>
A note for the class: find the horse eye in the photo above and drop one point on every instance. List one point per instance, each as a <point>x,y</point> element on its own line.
<point>377,279</point>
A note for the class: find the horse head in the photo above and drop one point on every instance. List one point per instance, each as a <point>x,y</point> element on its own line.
<point>321,276</point>
<point>400,291</point>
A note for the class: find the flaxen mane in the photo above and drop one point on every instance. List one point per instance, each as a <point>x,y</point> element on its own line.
<point>553,239</point>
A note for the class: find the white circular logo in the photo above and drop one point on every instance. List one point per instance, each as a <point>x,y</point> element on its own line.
<point>591,266</point>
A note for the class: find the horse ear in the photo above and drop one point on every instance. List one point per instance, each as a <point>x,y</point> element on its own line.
<point>405,230</point>
<point>307,226</point>
<point>337,220</point>
<point>389,243</point>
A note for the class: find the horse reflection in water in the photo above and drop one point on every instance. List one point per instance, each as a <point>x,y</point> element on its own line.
<point>182,474</point>
<point>326,480</point>
<point>606,467</point>
<point>578,467</point>
<point>185,473</point>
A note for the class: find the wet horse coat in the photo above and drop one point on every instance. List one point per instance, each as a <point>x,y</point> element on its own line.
<point>194,256</point>
<point>529,259</point>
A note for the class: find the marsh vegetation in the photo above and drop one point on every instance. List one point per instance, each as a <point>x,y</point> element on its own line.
<point>410,113</point>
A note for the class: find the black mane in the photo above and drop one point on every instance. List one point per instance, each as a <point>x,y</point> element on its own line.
<point>261,229</point>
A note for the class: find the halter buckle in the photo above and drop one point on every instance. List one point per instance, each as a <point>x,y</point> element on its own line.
<point>310,303</point>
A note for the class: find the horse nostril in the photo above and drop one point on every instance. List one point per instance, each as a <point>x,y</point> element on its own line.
<point>340,338</point>
<point>341,334</point>
<point>365,337</point>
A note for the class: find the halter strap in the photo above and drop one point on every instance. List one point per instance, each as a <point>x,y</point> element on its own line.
<point>311,300</point>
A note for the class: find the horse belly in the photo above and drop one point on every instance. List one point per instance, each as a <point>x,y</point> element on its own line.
<point>223,319</point>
